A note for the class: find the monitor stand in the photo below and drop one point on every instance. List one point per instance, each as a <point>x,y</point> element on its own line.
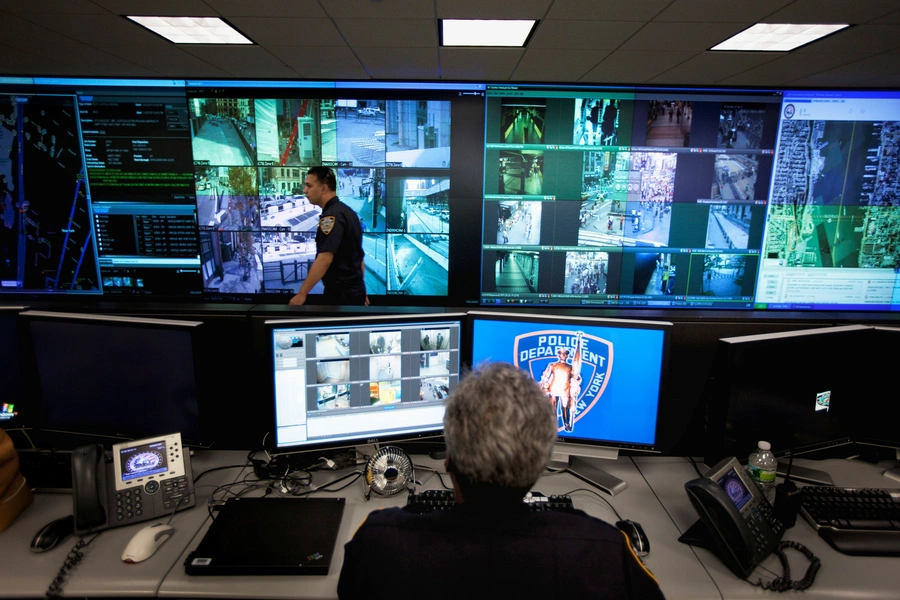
<point>894,472</point>
<point>805,474</point>
<point>586,465</point>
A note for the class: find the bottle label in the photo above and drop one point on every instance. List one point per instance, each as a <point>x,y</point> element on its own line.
<point>761,475</point>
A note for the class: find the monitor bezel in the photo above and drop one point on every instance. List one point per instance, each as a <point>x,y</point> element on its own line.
<point>574,446</point>
<point>199,438</point>
<point>271,325</point>
<point>719,395</point>
<point>24,420</point>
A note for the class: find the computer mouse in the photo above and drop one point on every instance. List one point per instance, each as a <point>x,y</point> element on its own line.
<point>146,541</point>
<point>52,534</point>
<point>639,542</point>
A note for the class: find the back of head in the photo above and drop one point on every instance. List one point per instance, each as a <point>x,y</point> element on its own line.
<point>324,175</point>
<point>499,428</point>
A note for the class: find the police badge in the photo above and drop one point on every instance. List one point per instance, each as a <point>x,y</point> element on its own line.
<point>326,224</point>
<point>572,368</point>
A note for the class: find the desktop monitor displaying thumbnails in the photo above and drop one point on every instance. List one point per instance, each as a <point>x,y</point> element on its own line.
<point>361,381</point>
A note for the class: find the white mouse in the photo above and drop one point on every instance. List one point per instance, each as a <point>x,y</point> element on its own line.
<point>145,542</point>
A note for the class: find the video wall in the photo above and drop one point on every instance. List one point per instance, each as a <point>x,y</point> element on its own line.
<point>468,193</point>
<point>194,189</point>
<point>697,199</point>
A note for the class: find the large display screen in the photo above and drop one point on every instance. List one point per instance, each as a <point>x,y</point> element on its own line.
<point>363,380</point>
<point>603,376</point>
<point>193,189</point>
<point>600,197</point>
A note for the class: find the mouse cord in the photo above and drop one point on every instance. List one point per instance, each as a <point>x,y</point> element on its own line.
<point>72,559</point>
<point>784,583</point>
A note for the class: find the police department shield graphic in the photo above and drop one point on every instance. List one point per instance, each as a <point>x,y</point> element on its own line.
<point>572,368</point>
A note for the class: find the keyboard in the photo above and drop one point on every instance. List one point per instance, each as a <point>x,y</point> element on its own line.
<point>432,500</point>
<point>46,470</point>
<point>858,521</point>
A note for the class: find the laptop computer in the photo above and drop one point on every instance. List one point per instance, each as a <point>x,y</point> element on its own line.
<point>269,536</point>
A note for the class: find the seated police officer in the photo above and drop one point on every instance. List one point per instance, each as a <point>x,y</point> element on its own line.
<point>499,430</point>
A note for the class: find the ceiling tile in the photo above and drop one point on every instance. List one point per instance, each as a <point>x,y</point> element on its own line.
<point>854,73</point>
<point>715,11</point>
<point>590,10</point>
<point>84,28</point>
<point>683,36</point>
<point>874,38</point>
<point>16,62</point>
<point>634,67</point>
<point>380,9</point>
<point>166,58</point>
<point>318,62</point>
<point>307,9</point>
<point>584,35</point>
<point>52,7</point>
<point>417,58</point>
<point>550,64</point>
<point>487,64</point>
<point>161,8</point>
<point>479,9</point>
<point>408,33</point>
<point>289,31</point>
<point>790,67</point>
<point>832,11</point>
<point>711,67</point>
<point>888,81</point>
<point>228,57</point>
<point>893,17</point>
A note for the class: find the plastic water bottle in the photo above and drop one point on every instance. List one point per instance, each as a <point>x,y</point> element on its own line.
<point>762,467</point>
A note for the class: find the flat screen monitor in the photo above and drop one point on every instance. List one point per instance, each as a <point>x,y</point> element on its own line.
<point>12,411</point>
<point>118,377</point>
<point>604,376</point>
<point>363,380</point>
<point>798,390</point>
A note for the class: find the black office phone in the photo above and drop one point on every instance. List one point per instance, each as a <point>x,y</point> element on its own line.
<point>737,522</point>
<point>140,480</point>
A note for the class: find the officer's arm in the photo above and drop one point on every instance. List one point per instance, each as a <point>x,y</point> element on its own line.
<point>362,264</point>
<point>316,273</point>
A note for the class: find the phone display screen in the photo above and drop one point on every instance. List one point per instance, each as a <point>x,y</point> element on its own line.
<point>143,460</point>
<point>733,485</point>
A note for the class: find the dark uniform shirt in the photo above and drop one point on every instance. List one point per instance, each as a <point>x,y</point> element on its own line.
<point>471,552</point>
<point>340,232</point>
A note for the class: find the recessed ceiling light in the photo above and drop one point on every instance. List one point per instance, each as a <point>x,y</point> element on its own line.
<point>479,32</point>
<point>193,30</point>
<point>777,37</point>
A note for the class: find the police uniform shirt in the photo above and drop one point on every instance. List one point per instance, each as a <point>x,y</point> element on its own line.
<point>339,232</point>
<point>483,552</point>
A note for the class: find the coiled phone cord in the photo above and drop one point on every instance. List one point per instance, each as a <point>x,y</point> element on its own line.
<point>784,583</point>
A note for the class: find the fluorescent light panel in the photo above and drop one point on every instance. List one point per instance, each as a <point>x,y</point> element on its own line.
<point>193,30</point>
<point>479,32</point>
<point>777,37</point>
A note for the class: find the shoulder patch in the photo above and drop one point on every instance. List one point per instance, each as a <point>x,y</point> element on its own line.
<point>326,224</point>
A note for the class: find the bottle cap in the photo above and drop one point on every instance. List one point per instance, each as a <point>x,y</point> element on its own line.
<point>764,445</point>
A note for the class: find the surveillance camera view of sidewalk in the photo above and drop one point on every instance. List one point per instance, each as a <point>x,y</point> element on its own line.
<point>627,199</point>
<point>834,195</point>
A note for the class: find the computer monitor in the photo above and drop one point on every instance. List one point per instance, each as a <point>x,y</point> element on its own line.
<point>603,375</point>
<point>12,412</point>
<point>361,380</point>
<point>878,411</point>
<point>798,390</point>
<point>116,377</point>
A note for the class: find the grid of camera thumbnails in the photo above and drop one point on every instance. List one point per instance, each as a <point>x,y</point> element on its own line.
<point>354,368</point>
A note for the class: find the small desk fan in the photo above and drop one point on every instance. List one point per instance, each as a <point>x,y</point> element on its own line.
<point>389,471</point>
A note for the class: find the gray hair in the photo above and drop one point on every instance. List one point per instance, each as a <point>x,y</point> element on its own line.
<point>499,428</point>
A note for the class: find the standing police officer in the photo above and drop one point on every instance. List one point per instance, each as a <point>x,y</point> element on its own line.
<point>339,254</point>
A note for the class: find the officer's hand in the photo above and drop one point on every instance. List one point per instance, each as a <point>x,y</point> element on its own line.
<point>367,299</point>
<point>298,300</point>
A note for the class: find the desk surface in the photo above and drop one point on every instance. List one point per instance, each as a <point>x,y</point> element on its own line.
<point>841,575</point>
<point>655,498</point>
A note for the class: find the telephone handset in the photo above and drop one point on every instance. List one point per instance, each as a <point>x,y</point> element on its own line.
<point>736,520</point>
<point>142,480</point>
